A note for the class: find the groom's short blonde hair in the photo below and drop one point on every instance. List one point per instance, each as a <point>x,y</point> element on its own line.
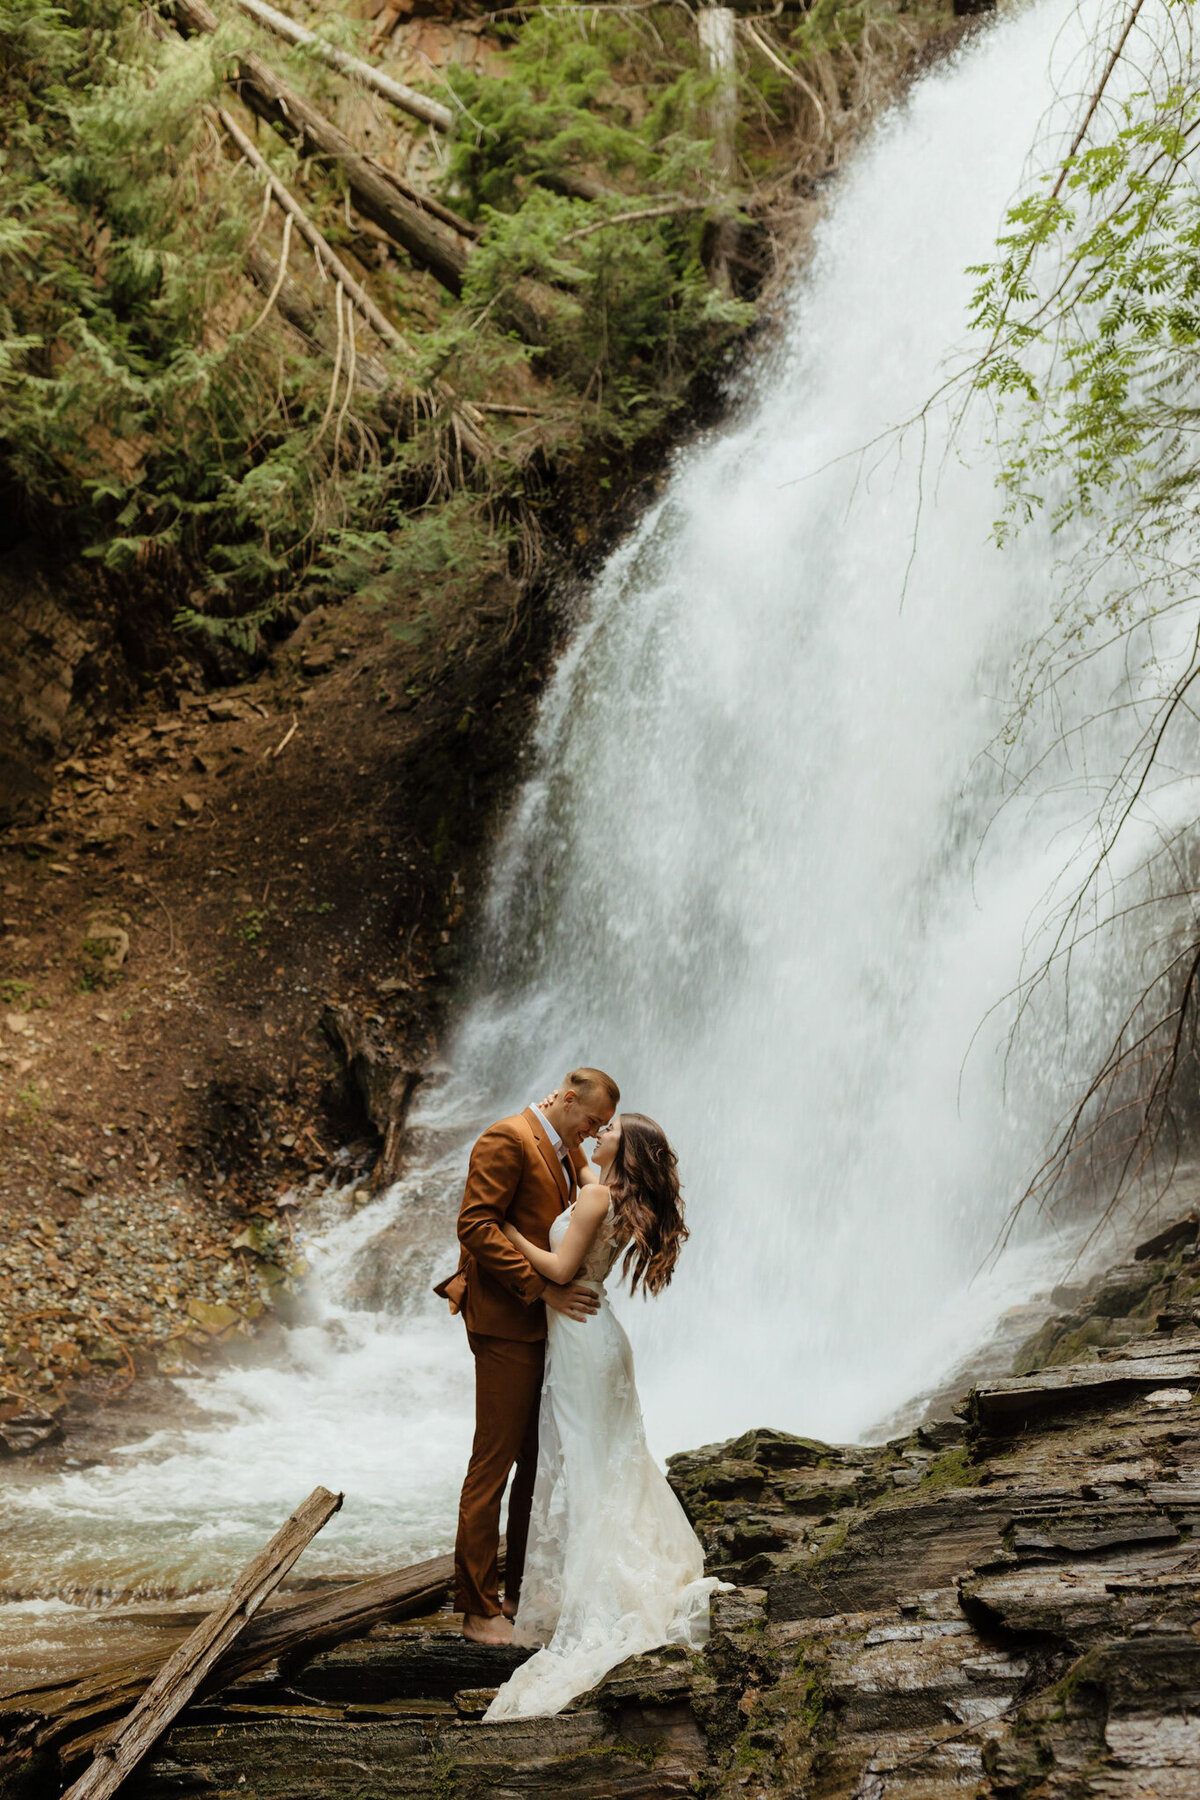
<point>586,1081</point>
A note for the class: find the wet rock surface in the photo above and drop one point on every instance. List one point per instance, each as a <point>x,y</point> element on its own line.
<point>1005,1603</point>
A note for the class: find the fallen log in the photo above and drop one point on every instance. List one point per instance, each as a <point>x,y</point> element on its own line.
<point>66,1719</point>
<point>465,420</point>
<point>357,294</point>
<point>293,303</point>
<point>408,224</point>
<point>184,1671</point>
<point>431,111</point>
<point>418,106</point>
<point>464,227</point>
<point>411,227</point>
<point>295,1636</point>
<point>531,307</point>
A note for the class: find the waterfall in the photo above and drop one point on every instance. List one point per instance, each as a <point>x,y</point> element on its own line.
<point>758,870</point>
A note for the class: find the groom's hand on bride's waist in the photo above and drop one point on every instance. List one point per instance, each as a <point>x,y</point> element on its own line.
<point>574,1300</point>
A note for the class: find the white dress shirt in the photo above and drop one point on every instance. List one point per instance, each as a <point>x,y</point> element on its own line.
<point>555,1139</point>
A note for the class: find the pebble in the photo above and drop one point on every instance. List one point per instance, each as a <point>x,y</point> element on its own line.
<point>80,1295</point>
<point>315,659</point>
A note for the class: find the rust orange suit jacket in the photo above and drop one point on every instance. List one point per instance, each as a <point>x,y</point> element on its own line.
<point>515,1175</point>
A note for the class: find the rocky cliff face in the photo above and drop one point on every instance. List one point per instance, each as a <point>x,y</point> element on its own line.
<point>72,656</point>
<point>1002,1603</point>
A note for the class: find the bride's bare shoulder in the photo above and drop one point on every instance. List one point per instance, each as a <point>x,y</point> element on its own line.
<point>593,1198</point>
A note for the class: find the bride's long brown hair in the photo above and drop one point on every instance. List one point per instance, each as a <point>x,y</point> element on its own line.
<point>646,1203</point>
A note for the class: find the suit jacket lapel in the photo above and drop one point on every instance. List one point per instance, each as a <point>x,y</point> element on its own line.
<point>550,1155</point>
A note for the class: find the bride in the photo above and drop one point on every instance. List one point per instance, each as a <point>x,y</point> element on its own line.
<point>612,1566</point>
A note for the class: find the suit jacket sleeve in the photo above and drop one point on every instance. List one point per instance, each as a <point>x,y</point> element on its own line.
<point>496,1164</point>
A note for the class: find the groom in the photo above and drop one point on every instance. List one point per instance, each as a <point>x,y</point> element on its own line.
<point>525,1169</point>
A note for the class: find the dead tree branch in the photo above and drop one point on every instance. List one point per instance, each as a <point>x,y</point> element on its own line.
<point>418,106</point>
<point>410,225</point>
<point>466,420</point>
<point>186,1669</point>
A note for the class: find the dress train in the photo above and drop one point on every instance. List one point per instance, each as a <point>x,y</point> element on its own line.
<point>612,1567</point>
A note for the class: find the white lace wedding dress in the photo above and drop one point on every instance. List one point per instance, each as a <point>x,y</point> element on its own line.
<point>612,1566</point>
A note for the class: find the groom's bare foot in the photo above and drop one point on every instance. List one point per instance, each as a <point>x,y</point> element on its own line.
<point>478,1630</point>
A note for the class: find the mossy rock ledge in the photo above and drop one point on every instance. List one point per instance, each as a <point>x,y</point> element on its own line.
<point>1003,1603</point>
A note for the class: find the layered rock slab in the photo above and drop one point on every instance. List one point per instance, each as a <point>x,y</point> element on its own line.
<point>1015,1614</point>
<point>399,1713</point>
<point>1006,1604</point>
<point>281,1753</point>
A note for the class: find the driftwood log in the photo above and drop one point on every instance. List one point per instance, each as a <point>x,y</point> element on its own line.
<point>67,1721</point>
<point>185,1670</point>
<point>410,225</point>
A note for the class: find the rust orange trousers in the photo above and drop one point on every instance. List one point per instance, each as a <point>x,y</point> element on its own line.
<point>508,1389</point>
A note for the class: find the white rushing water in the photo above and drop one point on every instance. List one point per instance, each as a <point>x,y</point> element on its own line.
<point>750,874</point>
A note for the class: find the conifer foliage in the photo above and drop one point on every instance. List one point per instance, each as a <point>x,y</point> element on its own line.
<point>184,397</point>
<point>155,415</point>
<point>140,417</point>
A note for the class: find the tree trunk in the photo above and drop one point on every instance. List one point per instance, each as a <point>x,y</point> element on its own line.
<point>716,26</point>
<point>418,106</point>
<point>376,197</point>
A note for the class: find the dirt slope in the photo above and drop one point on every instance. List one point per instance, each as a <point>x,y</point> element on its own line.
<point>211,877</point>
